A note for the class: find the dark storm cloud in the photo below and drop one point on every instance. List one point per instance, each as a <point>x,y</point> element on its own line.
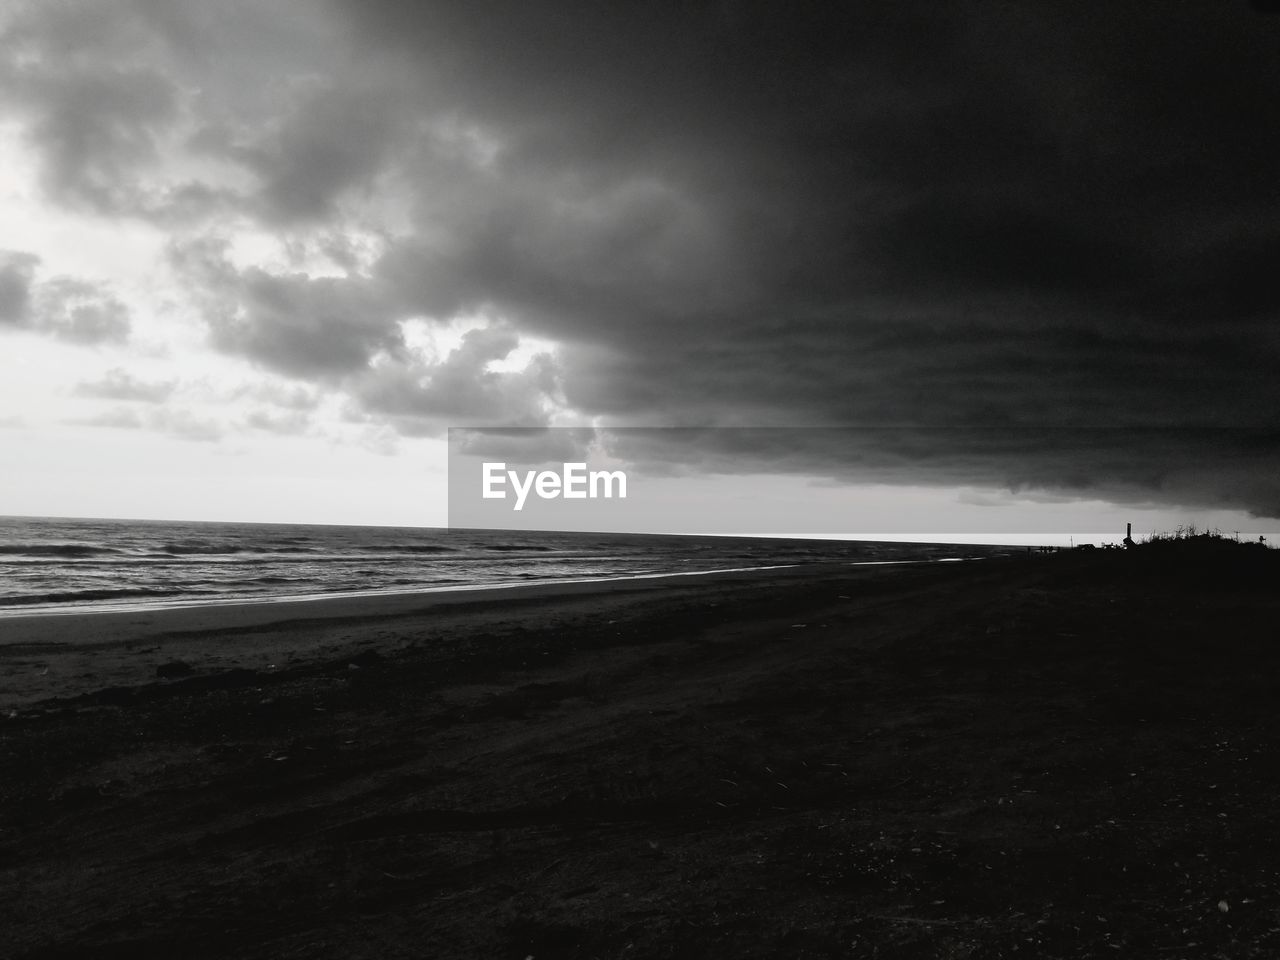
<point>892,214</point>
<point>332,142</point>
<point>1205,467</point>
<point>1039,217</point>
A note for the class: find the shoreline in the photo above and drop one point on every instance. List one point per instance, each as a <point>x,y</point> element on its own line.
<point>29,625</point>
<point>75,567</point>
<point>155,606</point>
<point>93,608</point>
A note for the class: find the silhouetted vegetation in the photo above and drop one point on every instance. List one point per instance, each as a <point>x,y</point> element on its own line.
<point>1207,557</point>
<point>1191,540</point>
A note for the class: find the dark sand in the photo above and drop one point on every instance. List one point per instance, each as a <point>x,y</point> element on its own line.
<point>1057,756</point>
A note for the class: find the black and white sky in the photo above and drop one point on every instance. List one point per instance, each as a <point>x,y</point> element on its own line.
<point>256,256</point>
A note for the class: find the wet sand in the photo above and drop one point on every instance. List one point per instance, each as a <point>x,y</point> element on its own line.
<point>1049,756</point>
<point>77,651</point>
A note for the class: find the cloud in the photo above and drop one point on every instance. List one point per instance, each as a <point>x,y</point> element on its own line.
<point>174,113</point>
<point>96,104</point>
<point>291,423</point>
<point>310,327</point>
<point>333,140</point>
<point>726,214</point>
<point>97,126</point>
<point>345,334</point>
<point>70,309</point>
<point>295,324</point>
<point>17,271</point>
<point>81,312</point>
<point>185,425</point>
<point>118,384</point>
<point>423,398</point>
<point>994,465</point>
<point>177,423</point>
<point>120,418</point>
<point>731,215</point>
<point>291,397</point>
<point>524,446</point>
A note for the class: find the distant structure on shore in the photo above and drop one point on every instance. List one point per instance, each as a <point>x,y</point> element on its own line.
<point>1127,542</point>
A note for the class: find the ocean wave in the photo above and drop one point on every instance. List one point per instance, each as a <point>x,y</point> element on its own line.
<point>54,550</point>
<point>267,581</point>
<point>200,548</point>
<point>87,596</point>
<point>170,551</point>
<point>405,548</point>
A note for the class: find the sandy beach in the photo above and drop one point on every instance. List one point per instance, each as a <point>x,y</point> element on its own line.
<point>1050,756</point>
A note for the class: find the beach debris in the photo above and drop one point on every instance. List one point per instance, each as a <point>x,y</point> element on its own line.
<point>1223,906</point>
<point>175,668</point>
<point>799,625</point>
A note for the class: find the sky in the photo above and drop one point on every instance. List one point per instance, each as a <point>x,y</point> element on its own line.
<point>256,258</point>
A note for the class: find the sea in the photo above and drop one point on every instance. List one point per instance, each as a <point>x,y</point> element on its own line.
<point>53,565</point>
